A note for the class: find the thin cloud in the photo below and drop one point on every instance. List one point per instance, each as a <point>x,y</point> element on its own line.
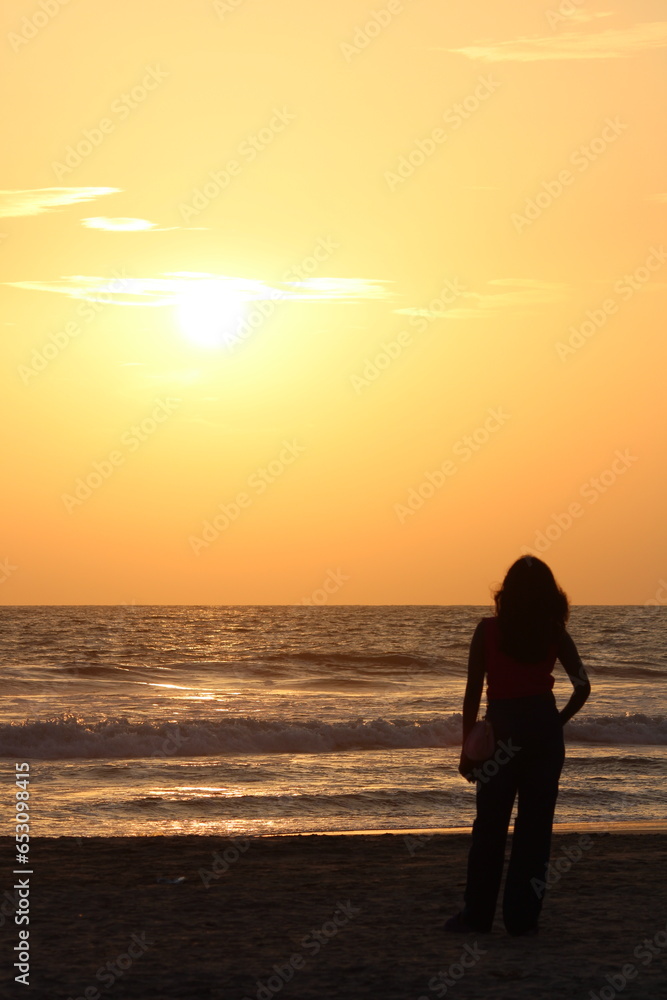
<point>37,201</point>
<point>340,288</point>
<point>522,294</point>
<point>585,16</point>
<point>659,197</point>
<point>614,43</point>
<point>119,225</point>
<point>129,225</point>
<point>536,285</point>
<point>172,287</point>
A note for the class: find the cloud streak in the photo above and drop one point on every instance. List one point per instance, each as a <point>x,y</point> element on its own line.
<point>37,201</point>
<point>584,16</point>
<point>127,224</point>
<point>118,225</point>
<point>614,43</point>
<point>170,288</point>
<point>522,294</point>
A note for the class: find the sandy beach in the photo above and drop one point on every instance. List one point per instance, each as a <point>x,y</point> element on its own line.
<point>331,916</point>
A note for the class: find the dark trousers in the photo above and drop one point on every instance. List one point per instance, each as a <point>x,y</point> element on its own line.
<point>533,771</point>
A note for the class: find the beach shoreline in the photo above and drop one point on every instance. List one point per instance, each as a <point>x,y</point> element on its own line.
<point>657,826</point>
<point>338,916</point>
<point>623,826</point>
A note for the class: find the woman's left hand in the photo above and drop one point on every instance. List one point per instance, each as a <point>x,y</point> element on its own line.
<point>466,767</point>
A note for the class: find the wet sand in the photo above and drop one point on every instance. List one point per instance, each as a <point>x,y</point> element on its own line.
<point>335,916</point>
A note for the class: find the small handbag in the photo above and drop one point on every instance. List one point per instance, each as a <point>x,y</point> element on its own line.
<point>480,743</point>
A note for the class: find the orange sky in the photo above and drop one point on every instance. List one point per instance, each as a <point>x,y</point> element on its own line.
<point>337,302</point>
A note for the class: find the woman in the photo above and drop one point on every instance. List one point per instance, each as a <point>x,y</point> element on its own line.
<point>517,649</point>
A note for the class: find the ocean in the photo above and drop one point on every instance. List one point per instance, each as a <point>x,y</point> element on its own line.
<point>243,720</point>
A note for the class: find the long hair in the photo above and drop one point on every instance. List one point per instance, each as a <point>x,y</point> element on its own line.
<point>532,610</point>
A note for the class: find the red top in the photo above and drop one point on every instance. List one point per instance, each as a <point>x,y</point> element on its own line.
<point>507,677</point>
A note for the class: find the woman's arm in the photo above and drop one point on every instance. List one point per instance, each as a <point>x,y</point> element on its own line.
<point>473,695</point>
<point>475,684</point>
<point>569,656</point>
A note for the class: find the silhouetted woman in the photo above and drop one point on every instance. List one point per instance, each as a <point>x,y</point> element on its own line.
<point>517,649</point>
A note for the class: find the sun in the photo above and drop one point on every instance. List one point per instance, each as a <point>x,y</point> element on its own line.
<point>211,313</point>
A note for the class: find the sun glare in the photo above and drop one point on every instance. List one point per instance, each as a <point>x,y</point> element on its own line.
<point>211,314</point>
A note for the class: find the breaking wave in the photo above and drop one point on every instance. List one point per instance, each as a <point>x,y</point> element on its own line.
<point>67,737</point>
